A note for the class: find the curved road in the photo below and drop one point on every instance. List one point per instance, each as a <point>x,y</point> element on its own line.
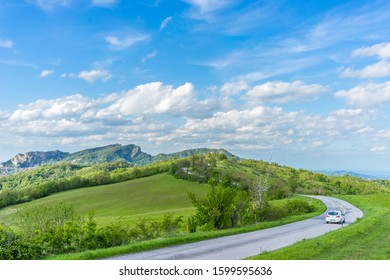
<point>248,244</point>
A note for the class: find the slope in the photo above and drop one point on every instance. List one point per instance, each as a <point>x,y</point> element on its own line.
<point>128,201</point>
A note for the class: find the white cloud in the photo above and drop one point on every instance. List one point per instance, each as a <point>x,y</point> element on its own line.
<point>156,114</point>
<point>51,5</point>
<point>46,73</point>
<point>125,41</point>
<point>234,88</point>
<point>24,115</point>
<point>94,75</point>
<point>381,50</point>
<point>165,23</point>
<point>207,6</point>
<point>367,95</point>
<point>155,98</point>
<point>281,92</point>
<point>69,106</point>
<point>378,149</point>
<point>52,128</point>
<point>272,127</point>
<point>377,70</point>
<point>104,3</point>
<point>6,43</point>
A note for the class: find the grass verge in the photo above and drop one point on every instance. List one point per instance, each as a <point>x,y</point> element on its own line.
<point>367,239</point>
<point>189,238</point>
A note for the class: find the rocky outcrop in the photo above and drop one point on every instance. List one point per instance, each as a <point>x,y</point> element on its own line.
<point>32,159</point>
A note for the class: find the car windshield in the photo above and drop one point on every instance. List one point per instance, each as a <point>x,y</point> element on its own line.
<point>333,213</point>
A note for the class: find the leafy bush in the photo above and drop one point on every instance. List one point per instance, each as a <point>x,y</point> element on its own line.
<point>223,207</point>
<point>15,247</point>
<point>170,225</point>
<point>58,229</point>
<point>295,207</point>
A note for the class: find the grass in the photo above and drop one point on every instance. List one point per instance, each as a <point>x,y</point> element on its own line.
<point>187,238</point>
<point>367,239</point>
<point>149,197</point>
<point>129,201</point>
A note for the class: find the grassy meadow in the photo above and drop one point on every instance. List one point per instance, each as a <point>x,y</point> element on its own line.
<point>148,197</point>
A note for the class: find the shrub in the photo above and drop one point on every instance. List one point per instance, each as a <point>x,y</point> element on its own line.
<point>15,247</point>
<point>296,206</point>
<point>170,224</point>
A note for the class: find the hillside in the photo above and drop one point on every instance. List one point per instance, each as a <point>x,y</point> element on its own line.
<point>196,194</point>
<point>129,201</point>
<point>190,152</point>
<point>111,153</point>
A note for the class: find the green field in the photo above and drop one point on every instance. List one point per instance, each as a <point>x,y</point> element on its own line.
<point>367,239</point>
<point>149,197</point>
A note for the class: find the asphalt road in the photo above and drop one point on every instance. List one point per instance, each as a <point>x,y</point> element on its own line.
<point>244,245</point>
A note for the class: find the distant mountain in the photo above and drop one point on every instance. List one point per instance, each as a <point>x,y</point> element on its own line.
<point>187,153</point>
<point>116,152</point>
<point>110,153</point>
<point>31,159</point>
<point>349,173</point>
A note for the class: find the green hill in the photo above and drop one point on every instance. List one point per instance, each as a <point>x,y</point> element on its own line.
<point>125,153</point>
<point>149,197</point>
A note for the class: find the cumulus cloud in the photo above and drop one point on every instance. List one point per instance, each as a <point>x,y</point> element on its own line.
<point>377,70</point>
<point>94,75</point>
<point>125,41</point>
<point>157,114</point>
<point>378,149</point>
<point>366,95</point>
<point>234,88</point>
<point>46,73</point>
<point>53,128</point>
<point>281,92</point>
<point>271,128</point>
<point>156,98</point>
<point>381,50</point>
<point>69,106</point>
<point>6,43</point>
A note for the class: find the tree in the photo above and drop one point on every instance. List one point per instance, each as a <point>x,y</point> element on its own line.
<point>222,207</point>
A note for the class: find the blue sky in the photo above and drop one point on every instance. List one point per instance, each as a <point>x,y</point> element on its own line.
<point>303,83</point>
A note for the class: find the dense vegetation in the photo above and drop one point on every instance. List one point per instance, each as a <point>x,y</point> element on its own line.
<point>58,230</point>
<point>240,193</point>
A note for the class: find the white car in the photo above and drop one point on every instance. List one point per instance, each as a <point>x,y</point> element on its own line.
<point>335,216</point>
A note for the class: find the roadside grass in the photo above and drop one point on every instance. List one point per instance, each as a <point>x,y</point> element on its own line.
<point>366,239</point>
<point>127,202</point>
<point>188,238</point>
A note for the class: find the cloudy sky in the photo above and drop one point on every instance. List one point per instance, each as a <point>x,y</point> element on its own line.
<point>303,83</point>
